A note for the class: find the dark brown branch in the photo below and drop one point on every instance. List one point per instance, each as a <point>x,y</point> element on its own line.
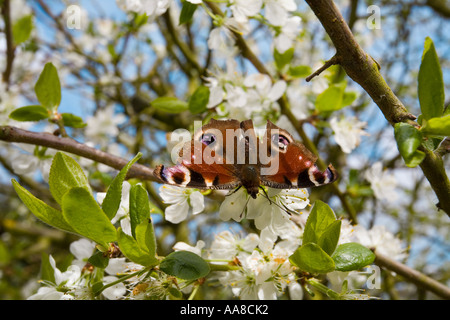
<point>10,48</point>
<point>413,276</point>
<point>364,70</point>
<point>13,134</point>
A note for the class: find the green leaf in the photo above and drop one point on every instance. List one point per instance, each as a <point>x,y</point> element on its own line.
<point>311,258</point>
<point>113,196</point>
<point>65,174</point>
<point>352,256</point>
<point>47,273</point>
<point>331,99</point>
<point>99,260</point>
<point>330,237</point>
<point>282,59</point>
<point>431,83</point>
<point>73,121</point>
<point>436,126</point>
<point>170,104</point>
<point>299,71</point>
<point>30,113</point>
<point>145,237</point>
<point>48,87</point>
<point>320,218</point>
<point>408,140</point>
<point>185,265</point>
<point>139,205</point>
<point>187,12</point>
<point>348,98</point>
<point>21,29</point>
<point>130,248</point>
<point>199,100</point>
<point>86,217</point>
<point>42,210</point>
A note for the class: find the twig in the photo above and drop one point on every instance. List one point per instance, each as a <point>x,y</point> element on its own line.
<point>334,60</point>
<point>13,134</point>
<point>10,48</point>
<point>414,276</point>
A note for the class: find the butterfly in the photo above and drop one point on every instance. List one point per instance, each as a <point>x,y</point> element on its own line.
<point>229,154</point>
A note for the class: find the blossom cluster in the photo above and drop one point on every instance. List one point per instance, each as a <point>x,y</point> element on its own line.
<point>263,269</point>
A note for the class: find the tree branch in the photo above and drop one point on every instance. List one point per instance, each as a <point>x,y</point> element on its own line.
<point>414,276</point>
<point>364,70</point>
<point>13,134</point>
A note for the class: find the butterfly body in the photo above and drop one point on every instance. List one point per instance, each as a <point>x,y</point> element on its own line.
<point>226,154</point>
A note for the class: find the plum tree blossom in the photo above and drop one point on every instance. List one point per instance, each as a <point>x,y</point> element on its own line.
<point>348,132</point>
<point>382,182</point>
<point>181,201</point>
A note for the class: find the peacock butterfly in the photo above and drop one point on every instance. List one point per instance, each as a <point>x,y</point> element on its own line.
<point>227,154</point>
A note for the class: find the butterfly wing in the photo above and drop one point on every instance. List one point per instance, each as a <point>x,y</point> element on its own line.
<point>203,161</point>
<point>291,164</point>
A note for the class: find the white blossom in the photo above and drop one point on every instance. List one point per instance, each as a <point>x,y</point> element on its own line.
<point>243,9</point>
<point>284,40</point>
<point>181,201</point>
<point>382,183</point>
<point>382,240</point>
<point>71,281</point>
<point>266,213</point>
<point>152,8</point>
<point>348,132</point>
<point>123,213</point>
<point>277,11</point>
<point>103,125</point>
<point>82,250</point>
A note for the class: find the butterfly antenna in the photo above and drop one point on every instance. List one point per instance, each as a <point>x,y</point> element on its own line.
<point>245,207</point>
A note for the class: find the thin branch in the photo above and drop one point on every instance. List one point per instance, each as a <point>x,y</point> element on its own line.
<point>10,48</point>
<point>334,60</point>
<point>365,71</point>
<point>13,134</point>
<point>414,276</point>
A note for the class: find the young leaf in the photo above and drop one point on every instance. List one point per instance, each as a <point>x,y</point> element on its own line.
<point>30,113</point>
<point>282,59</point>
<point>65,173</point>
<point>113,196</point>
<point>311,258</point>
<point>47,272</point>
<point>86,217</point>
<point>352,256</point>
<point>187,12</point>
<point>73,121</point>
<point>199,100</point>
<point>21,29</point>
<point>42,210</point>
<point>332,98</point>
<point>169,104</point>
<point>185,265</point>
<point>436,126</point>
<point>319,219</point>
<point>99,260</point>
<point>139,205</point>
<point>48,87</point>
<point>408,140</point>
<point>299,71</point>
<point>145,237</point>
<point>330,237</point>
<point>431,83</point>
<point>130,248</point>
